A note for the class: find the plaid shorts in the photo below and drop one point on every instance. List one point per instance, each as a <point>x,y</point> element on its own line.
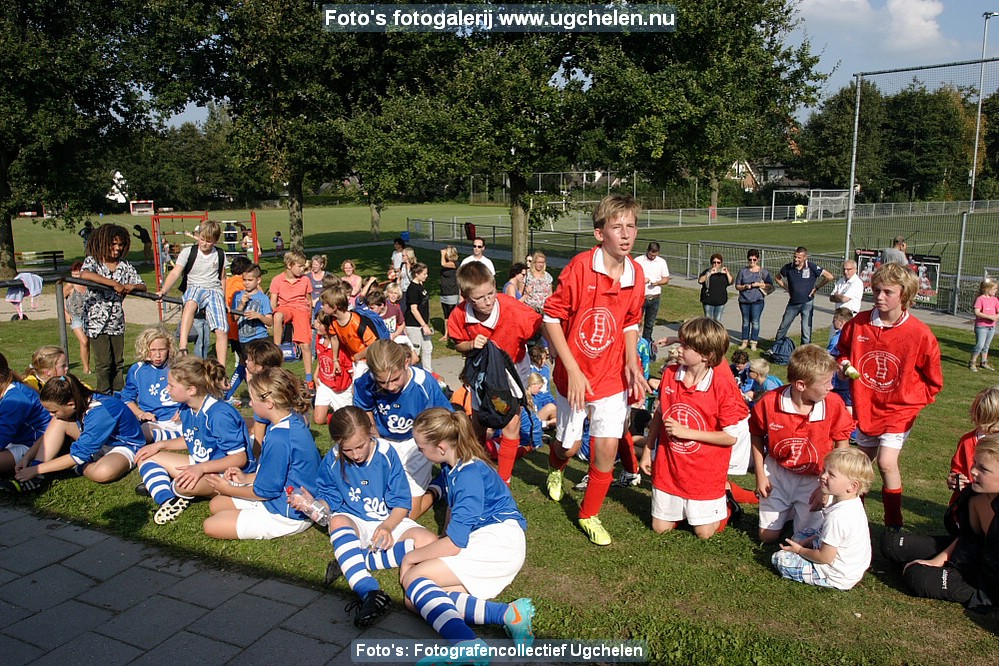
<point>212,302</point>
<point>795,567</point>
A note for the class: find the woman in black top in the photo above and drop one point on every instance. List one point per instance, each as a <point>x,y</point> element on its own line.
<point>714,287</point>
<point>449,280</point>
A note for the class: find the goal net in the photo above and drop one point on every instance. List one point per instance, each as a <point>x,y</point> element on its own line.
<point>827,204</point>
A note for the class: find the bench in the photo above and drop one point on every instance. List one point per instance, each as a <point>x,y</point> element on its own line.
<point>43,261</point>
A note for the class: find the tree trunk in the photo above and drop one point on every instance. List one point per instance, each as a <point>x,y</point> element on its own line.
<point>713,180</point>
<point>296,230</point>
<point>376,220</point>
<point>518,217</point>
<point>7,267</point>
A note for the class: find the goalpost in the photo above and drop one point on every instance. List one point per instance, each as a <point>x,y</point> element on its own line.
<point>827,204</point>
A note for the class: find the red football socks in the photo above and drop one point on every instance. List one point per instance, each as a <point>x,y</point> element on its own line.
<point>892,500</point>
<point>596,491</point>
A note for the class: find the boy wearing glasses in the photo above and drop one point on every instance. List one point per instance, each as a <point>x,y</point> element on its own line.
<point>476,321</point>
<point>592,323</point>
<point>479,255</point>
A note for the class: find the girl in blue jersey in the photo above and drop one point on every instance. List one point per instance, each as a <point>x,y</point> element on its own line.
<point>146,392</point>
<point>449,581</point>
<point>394,394</point>
<point>23,420</point>
<point>254,505</point>
<point>364,486</point>
<point>105,433</point>
<point>213,439</point>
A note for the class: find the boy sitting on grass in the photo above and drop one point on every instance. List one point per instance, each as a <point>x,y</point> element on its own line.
<point>291,300</point>
<point>793,428</point>
<point>840,553</point>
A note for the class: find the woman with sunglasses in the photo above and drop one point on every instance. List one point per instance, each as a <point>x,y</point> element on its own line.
<point>714,283</point>
<point>753,284</point>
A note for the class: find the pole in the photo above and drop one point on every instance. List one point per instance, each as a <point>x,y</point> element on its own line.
<point>978,116</point>
<point>960,263</point>
<point>853,169</point>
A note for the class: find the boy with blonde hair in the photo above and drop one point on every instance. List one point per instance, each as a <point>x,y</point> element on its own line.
<point>693,431</point>
<point>592,322</point>
<point>291,300</point>
<point>793,429</point>
<point>840,553</point>
<point>896,359</point>
<point>201,269</point>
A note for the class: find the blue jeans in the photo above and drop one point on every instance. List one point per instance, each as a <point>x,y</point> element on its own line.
<point>804,310</point>
<point>983,340</point>
<point>713,311</point>
<point>650,312</point>
<point>751,313</point>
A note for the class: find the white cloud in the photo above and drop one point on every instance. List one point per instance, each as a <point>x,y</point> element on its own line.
<point>879,30</point>
<point>912,26</point>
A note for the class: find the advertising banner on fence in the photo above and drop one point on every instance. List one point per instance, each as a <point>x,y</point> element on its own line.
<point>925,266</point>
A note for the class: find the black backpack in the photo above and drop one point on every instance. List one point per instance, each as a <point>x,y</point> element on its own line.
<point>780,352</point>
<point>191,258</point>
<point>492,377</point>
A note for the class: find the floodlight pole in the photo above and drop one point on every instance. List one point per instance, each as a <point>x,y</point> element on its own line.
<point>978,117</point>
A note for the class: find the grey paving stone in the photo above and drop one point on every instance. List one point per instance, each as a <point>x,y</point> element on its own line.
<point>91,649</point>
<point>22,529</point>
<point>284,647</point>
<point>243,619</point>
<point>326,620</point>
<point>128,588</point>
<point>6,576</point>
<point>10,513</point>
<point>186,647</point>
<point>59,624</point>
<point>107,558</point>
<point>171,565</point>
<point>209,588</point>
<point>77,534</point>
<point>155,620</point>
<point>277,590</point>
<point>37,553</point>
<point>45,588</point>
<point>407,624</point>
<point>10,614</point>
<point>16,652</point>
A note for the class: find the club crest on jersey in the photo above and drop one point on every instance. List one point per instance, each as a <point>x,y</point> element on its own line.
<point>596,332</point>
<point>354,494</point>
<point>799,455</point>
<point>880,370</point>
<point>688,417</point>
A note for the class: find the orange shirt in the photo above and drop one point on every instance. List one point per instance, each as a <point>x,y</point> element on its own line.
<point>232,285</point>
<point>292,294</point>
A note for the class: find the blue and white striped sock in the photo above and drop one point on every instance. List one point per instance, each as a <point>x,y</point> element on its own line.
<point>157,480</point>
<point>438,610</point>
<point>478,611</point>
<point>350,557</point>
<point>238,375</point>
<point>388,559</point>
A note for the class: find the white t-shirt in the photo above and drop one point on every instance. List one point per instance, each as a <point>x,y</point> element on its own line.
<point>205,271</point>
<point>655,270</point>
<point>853,289</point>
<point>484,260</point>
<point>846,528</point>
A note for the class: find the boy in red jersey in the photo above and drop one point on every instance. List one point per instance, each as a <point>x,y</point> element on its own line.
<point>898,361</point>
<point>693,432</point>
<point>477,321</point>
<point>592,322</point>
<point>793,428</point>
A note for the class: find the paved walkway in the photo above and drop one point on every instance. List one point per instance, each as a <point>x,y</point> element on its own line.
<point>71,595</point>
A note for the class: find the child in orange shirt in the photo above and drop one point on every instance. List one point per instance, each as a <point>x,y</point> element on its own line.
<point>291,300</point>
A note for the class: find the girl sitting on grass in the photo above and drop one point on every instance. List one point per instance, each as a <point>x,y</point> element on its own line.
<point>214,439</point>
<point>254,505</point>
<point>146,392</point>
<point>450,581</point>
<point>23,420</point>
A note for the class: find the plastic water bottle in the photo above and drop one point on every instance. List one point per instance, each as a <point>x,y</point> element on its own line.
<point>849,370</point>
<point>314,509</point>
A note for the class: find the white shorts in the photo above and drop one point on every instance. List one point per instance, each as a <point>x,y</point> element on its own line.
<point>491,560</point>
<point>742,451</point>
<point>256,522</point>
<point>607,417</point>
<point>889,440</point>
<point>419,470</point>
<point>164,430</point>
<point>697,512</point>
<point>327,397</point>
<point>366,528</point>
<point>123,451</point>
<point>789,495</point>
<point>17,451</point>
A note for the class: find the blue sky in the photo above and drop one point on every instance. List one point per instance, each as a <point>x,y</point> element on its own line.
<point>868,35</point>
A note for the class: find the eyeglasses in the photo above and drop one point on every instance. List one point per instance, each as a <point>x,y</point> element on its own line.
<point>716,262</point>
<point>753,259</point>
<point>478,247</point>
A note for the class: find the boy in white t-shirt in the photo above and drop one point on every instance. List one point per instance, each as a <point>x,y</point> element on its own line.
<point>840,553</point>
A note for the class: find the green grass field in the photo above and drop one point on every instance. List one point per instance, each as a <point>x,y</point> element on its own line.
<point>714,602</point>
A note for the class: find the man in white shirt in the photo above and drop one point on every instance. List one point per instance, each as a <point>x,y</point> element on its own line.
<point>656,277</point>
<point>479,254</point>
<point>848,292</point>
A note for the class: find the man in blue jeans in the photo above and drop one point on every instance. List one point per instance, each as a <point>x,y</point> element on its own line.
<point>802,279</point>
<point>656,277</point>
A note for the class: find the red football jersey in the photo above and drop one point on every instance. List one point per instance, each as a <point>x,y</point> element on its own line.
<point>510,325</point>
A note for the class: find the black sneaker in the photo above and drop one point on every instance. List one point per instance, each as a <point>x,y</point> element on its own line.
<point>332,572</point>
<point>735,510</point>
<point>369,609</point>
<point>15,487</point>
<point>142,491</point>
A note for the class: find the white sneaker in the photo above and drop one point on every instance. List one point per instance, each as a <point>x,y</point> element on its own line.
<point>585,481</point>
<point>627,480</point>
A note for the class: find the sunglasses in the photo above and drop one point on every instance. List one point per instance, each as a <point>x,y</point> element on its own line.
<point>478,246</point>
<point>716,263</point>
